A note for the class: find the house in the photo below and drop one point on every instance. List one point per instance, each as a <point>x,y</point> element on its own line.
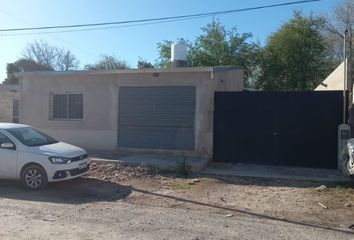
<point>334,81</point>
<point>152,110</point>
<point>8,103</point>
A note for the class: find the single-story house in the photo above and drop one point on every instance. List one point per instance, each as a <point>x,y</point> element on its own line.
<point>334,81</point>
<point>153,110</point>
<point>8,103</point>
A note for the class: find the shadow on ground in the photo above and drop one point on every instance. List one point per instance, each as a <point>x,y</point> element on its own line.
<point>77,191</point>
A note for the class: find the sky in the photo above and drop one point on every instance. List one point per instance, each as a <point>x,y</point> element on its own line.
<point>132,43</point>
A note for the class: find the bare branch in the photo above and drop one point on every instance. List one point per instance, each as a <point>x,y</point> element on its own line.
<point>50,56</point>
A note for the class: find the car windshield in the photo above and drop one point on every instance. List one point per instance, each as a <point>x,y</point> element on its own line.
<point>31,137</point>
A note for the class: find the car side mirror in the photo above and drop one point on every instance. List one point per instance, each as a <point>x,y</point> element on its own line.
<point>7,145</point>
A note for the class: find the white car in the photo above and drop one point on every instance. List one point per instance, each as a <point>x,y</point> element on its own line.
<point>35,158</point>
<point>348,159</point>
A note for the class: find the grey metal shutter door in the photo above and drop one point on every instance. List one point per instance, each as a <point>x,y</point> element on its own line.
<point>157,117</point>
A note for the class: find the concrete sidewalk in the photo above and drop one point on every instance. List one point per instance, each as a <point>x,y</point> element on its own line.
<point>164,162</point>
<point>199,164</point>
<point>264,171</point>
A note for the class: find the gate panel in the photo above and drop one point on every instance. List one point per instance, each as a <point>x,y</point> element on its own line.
<point>277,128</point>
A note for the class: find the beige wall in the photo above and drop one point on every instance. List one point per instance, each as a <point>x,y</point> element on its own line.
<point>7,94</point>
<point>335,81</point>
<point>99,128</point>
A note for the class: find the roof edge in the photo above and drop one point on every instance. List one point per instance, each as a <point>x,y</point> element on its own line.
<point>9,87</point>
<point>128,71</point>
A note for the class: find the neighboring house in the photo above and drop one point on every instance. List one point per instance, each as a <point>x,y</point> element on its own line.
<point>335,81</point>
<point>155,110</point>
<point>8,103</point>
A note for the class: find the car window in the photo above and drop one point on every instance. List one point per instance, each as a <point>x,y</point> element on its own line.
<point>31,137</point>
<point>5,139</point>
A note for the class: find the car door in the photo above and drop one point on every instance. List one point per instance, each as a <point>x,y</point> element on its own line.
<point>8,157</point>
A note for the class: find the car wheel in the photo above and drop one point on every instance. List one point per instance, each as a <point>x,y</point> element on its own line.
<point>34,177</point>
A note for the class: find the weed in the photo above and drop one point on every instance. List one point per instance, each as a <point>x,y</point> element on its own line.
<point>181,170</point>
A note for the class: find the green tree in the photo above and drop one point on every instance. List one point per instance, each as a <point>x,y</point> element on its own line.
<point>23,65</point>
<point>296,56</point>
<point>108,62</point>
<point>164,54</point>
<point>144,64</point>
<point>341,20</point>
<point>217,46</point>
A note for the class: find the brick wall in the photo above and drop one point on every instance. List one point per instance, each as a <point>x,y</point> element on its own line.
<point>7,95</point>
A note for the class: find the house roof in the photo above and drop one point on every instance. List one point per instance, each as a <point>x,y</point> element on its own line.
<point>128,71</point>
<point>335,81</point>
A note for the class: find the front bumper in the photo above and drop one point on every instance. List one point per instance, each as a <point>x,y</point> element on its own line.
<point>60,172</point>
<point>71,173</point>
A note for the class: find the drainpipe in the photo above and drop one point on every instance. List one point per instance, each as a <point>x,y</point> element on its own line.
<point>345,76</point>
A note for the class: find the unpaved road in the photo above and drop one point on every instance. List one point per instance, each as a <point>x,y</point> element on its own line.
<point>97,209</point>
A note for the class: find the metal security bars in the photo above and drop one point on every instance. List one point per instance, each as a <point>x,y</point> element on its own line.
<point>66,106</point>
<point>15,110</point>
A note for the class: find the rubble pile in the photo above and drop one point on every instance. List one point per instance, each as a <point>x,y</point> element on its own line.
<point>121,171</point>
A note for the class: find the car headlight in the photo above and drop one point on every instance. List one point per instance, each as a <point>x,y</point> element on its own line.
<point>350,150</point>
<point>59,160</point>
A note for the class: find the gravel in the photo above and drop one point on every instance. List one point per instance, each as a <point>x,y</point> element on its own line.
<point>120,172</point>
<point>117,201</point>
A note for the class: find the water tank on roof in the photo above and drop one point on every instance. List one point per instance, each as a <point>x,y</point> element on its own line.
<point>179,54</point>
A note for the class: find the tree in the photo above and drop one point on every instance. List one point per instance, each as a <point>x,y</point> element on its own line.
<point>295,57</point>
<point>50,56</point>
<point>341,20</point>
<point>22,65</point>
<point>66,60</point>
<point>144,64</point>
<point>108,62</point>
<point>217,46</point>
<point>164,54</point>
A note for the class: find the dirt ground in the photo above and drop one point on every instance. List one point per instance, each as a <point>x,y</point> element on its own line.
<point>115,201</point>
<point>295,201</point>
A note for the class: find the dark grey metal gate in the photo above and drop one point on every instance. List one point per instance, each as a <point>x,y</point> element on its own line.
<point>277,128</point>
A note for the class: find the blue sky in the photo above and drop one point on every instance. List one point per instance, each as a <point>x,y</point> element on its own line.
<point>140,41</point>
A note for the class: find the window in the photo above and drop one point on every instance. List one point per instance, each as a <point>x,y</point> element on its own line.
<point>5,139</point>
<point>15,111</point>
<point>31,137</point>
<point>66,106</point>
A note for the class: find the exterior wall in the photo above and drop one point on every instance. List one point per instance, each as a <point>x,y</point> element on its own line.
<point>7,94</point>
<point>334,81</point>
<point>99,128</point>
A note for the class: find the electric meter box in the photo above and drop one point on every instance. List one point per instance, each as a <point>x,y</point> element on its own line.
<point>343,136</point>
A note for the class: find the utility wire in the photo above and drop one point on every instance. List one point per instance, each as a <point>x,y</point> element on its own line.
<point>180,17</point>
<point>94,28</point>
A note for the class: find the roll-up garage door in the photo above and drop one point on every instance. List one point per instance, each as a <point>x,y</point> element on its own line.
<point>157,117</point>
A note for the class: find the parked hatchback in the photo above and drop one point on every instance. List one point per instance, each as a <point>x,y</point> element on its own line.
<point>35,158</point>
<point>348,159</point>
